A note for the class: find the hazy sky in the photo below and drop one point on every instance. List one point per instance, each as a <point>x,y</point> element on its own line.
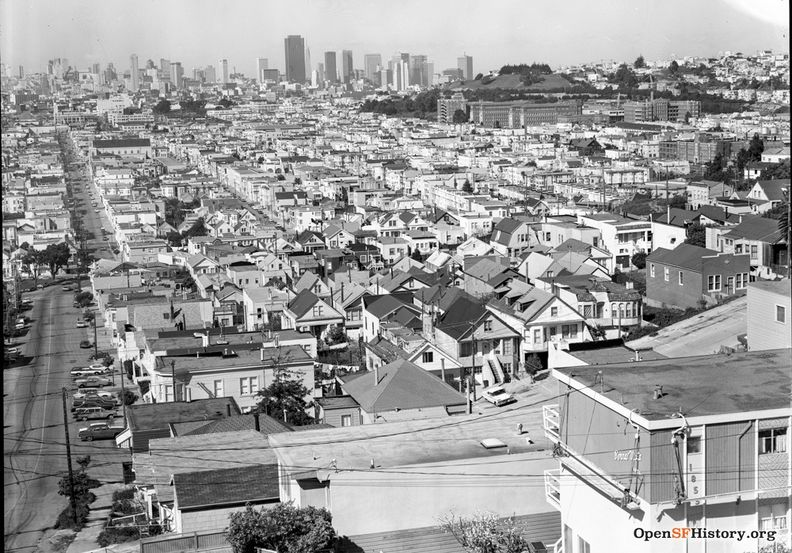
<point>494,32</point>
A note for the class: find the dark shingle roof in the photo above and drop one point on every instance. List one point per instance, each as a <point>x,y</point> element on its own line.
<point>757,228</point>
<point>401,385</point>
<point>223,486</point>
<point>267,425</point>
<point>304,301</point>
<point>122,143</point>
<point>686,256</point>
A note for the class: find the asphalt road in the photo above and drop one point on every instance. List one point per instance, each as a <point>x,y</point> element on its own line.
<point>34,438</point>
<point>701,334</point>
<point>33,435</point>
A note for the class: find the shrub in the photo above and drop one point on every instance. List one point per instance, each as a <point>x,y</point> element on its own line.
<point>117,534</point>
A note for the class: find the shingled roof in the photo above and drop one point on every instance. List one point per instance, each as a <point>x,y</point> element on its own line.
<point>237,485</point>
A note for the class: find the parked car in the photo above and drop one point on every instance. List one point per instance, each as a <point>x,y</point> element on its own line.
<point>81,323</point>
<point>87,413</point>
<point>92,382</point>
<point>12,351</point>
<point>87,371</point>
<point>66,288</point>
<point>497,396</point>
<point>104,403</point>
<point>93,392</point>
<point>85,344</point>
<point>99,431</point>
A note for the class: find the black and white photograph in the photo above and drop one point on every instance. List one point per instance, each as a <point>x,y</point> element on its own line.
<point>396,276</point>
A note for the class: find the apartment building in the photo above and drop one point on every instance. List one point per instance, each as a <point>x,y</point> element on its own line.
<point>657,445</point>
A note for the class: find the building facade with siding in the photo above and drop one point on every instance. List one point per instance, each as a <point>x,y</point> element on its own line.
<point>769,311</point>
<point>670,443</point>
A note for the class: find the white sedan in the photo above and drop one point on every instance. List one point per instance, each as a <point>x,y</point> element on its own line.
<point>497,396</point>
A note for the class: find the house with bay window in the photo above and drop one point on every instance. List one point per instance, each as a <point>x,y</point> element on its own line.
<point>691,276</point>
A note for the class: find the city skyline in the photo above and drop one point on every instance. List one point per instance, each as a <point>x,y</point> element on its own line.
<point>111,32</point>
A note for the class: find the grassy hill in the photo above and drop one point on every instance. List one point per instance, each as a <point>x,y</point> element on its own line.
<point>512,82</point>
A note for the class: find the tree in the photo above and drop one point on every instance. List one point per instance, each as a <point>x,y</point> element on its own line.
<point>460,116</point>
<point>285,397</point>
<point>484,533</point>
<point>673,67</point>
<point>162,107</point>
<point>778,171</point>
<point>416,255</point>
<point>466,187</point>
<point>284,528</point>
<point>479,77</point>
<point>336,335</point>
<point>198,228</point>
<point>696,235</point>
<point>56,256</point>
<point>83,299</point>
<point>33,261</point>
<point>639,260</point>
<point>639,62</point>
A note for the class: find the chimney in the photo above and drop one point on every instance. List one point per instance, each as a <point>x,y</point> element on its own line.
<point>228,409</point>
<point>658,391</point>
<point>257,424</point>
<point>261,354</point>
<point>342,294</point>
<point>376,374</point>
<point>205,339</point>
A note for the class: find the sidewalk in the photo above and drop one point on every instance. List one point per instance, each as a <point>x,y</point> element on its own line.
<point>85,540</point>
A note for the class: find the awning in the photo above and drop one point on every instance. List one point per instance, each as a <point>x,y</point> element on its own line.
<point>123,437</point>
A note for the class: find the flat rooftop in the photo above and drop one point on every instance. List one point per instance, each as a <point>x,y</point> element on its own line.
<point>404,443</point>
<point>698,386</point>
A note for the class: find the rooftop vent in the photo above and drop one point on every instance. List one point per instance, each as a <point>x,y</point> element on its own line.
<point>492,443</point>
<point>658,392</point>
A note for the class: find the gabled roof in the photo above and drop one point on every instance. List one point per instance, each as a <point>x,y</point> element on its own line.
<point>267,425</point>
<point>774,189</point>
<point>401,385</point>
<point>686,256</point>
<point>757,228</point>
<point>384,305</point>
<point>309,236</point>
<point>679,217</point>
<point>303,302</point>
<point>236,485</point>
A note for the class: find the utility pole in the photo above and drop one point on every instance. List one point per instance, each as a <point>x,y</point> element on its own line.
<point>68,458</point>
<point>96,346</point>
<point>173,379</point>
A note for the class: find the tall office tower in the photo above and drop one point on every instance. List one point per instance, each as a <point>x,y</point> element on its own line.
<point>22,71</point>
<point>307,61</point>
<point>134,77</point>
<point>465,64</point>
<point>165,69</point>
<point>331,73</point>
<point>420,71</point>
<point>346,66</point>
<point>320,72</point>
<point>223,70</point>
<point>177,74</point>
<point>95,68</point>
<point>210,76</point>
<point>261,65</point>
<point>294,47</point>
<point>371,63</point>
<point>386,77</point>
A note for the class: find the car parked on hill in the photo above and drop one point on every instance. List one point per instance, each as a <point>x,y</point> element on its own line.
<point>87,413</point>
<point>497,396</point>
<point>81,323</point>
<point>85,344</point>
<point>92,382</point>
<point>99,431</point>
<point>84,393</point>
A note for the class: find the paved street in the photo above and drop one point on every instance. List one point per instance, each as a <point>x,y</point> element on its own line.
<point>702,334</point>
<point>34,443</point>
<point>34,440</point>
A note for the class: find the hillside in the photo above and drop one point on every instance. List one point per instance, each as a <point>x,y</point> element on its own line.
<point>512,82</point>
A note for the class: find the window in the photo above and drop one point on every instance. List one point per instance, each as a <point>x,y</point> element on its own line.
<point>507,346</point>
<point>628,310</point>
<point>773,440</point>
<point>248,386</point>
<point>583,546</point>
<point>427,357</point>
<point>681,282</point>
<point>537,337</point>
<point>488,325</point>
<point>317,311</point>
<point>742,280</point>
<point>713,283</point>
<point>218,388</point>
<point>666,272</point>
<point>565,331</point>
<point>166,316</point>
<point>694,444</point>
<point>554,312</point>
<point>780,314</point>
<point>588,311</point>
<point>346,420</point>
<point>168,392</point>
<point>652,270</point>
<point>773,517</point>
<point>550,274</point>
<point>754,252</point>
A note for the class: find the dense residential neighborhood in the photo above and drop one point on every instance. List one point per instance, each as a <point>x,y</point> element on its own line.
<point>301,295</point>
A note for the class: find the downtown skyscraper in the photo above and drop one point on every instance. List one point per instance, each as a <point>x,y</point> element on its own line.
<point>331,71</point>
<point>134,77</point>
<point>294,46</point>
<point>347,70</point>
<point>223,76</point>
<point>261,65</point>
<point>371,65</point>
<point>465,65</point>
